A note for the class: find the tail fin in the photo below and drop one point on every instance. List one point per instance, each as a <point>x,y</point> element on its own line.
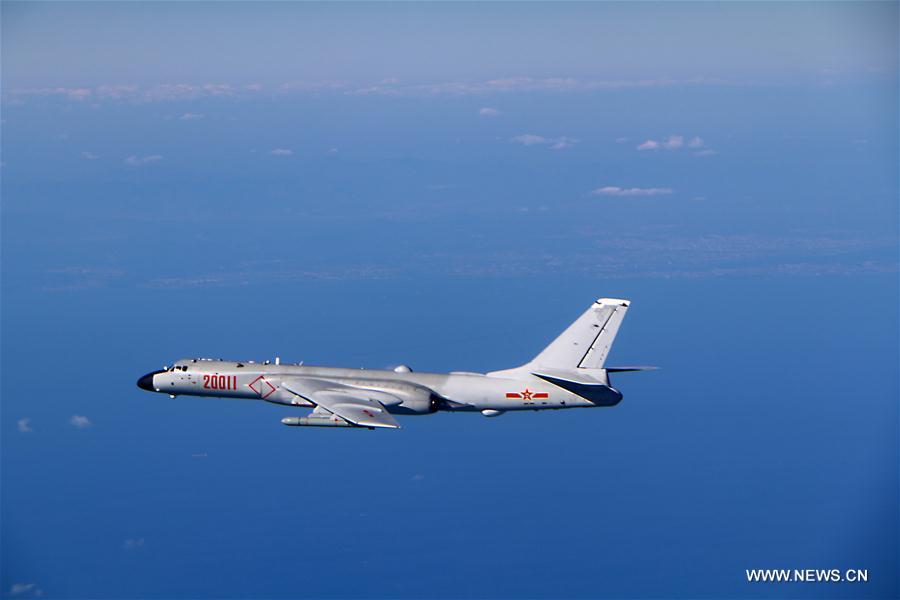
<point>586,343</point>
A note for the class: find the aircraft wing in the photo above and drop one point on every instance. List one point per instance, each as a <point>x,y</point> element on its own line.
<point>356,406</point>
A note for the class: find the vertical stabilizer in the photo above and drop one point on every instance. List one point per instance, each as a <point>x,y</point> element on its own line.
<point>586,342</point>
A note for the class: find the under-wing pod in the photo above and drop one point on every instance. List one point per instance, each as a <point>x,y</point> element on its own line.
<point>315,421</point>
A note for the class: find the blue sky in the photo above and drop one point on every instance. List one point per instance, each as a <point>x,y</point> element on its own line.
<point>94,44</point>
<point>448,186</point>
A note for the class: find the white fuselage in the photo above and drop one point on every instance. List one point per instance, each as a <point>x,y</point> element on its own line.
<point>569,373</point>
<point>422,393</point>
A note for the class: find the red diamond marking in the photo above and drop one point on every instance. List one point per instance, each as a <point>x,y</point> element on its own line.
<point>263,388</point>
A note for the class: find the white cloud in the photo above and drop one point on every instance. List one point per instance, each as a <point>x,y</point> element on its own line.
<point>674,142</point>
<point>76,93</point>
<point>182,91</point>
<point>524,84</point>
<point>24,425</point>
<point>80,421</point>
<point>707,152</point>
<point>489,112</point>
<point>622,140</point>
<point>23,589</point>
<point>137,161</point>
<point>388,87</point>
<point>529,139</point>
<point>117,92</point>
<point>89,156</point>
<point>314,87</point>
<point>612,190</point>
<point>162,92</point>
<point>562,143</point>
<point>133,544</point>
<point>191,116</point>
<point>281,152</point>
<point>332,151</point>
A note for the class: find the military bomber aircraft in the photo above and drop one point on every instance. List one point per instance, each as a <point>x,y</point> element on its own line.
<point>569,373</point>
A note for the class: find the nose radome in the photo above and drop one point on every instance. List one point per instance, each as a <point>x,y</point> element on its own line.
<point>146,382</point>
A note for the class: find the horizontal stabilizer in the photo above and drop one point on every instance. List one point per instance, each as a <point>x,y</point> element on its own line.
<point>627,369</point>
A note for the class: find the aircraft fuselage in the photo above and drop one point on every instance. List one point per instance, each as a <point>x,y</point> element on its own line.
<point>422,393</point>
<point>569,373</point>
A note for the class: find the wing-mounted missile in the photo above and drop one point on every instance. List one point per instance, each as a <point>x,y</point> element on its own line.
<point>319,417</point>
<point>314,420</point>
<point>344,411</point>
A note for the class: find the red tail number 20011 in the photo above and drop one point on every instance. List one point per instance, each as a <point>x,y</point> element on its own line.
<point>220,382</point>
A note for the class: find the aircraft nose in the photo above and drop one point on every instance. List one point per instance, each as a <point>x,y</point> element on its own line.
<point>146,382</point>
